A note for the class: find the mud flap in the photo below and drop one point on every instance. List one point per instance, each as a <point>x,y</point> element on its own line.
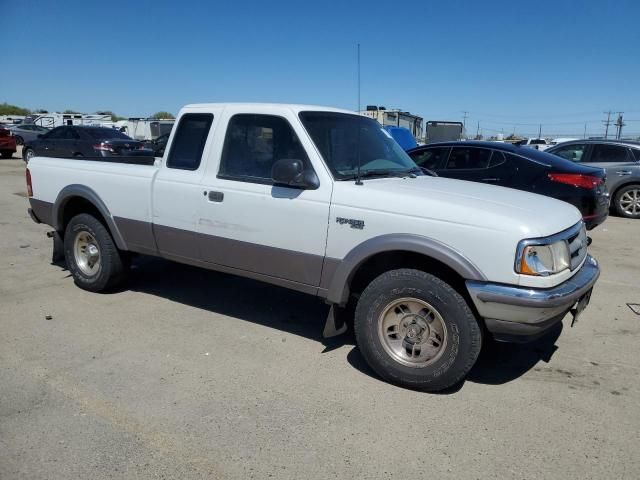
<point>57,256</point>
<point>335,324</point>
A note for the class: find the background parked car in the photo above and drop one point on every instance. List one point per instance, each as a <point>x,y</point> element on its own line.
<point>7,143</point>
<point>27,132</point>
<point>523,169</point>
<point>535,143</point>
<point>403,136</point>
<point>81,141</point>
<point>621,160</point>
<point>158,145</point>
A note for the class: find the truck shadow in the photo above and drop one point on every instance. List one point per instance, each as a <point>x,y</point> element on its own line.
<point>304,315</point>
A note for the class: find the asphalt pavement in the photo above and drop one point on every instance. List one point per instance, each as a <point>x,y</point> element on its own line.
<point>194,374</point>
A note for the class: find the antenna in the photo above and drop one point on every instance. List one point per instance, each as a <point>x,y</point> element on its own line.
<point>358,179</point>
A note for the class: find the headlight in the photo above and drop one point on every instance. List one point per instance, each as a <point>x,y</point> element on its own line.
<point>542,260</point>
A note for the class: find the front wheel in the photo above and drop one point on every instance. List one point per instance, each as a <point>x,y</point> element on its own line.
<point>416,331</point>
<point>91,254</point>
<point>627,201</point>
<point>28,154</point>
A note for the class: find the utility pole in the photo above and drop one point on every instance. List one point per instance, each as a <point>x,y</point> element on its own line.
<point>607,123</point>
<point>585,131</point>
<point>478,131</point>
<point>540,131</point>
<point>619,124</point>
<point>464,120</point>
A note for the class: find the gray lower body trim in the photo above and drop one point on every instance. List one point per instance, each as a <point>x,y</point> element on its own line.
<point>291,269</point>
<point>42,210</point>
<point>532,306</point>
<point>138,235</point>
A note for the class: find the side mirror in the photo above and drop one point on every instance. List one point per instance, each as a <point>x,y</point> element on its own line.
<point>290,172</point>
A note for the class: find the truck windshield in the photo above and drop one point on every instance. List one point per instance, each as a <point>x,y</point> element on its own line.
<point>343,138</point>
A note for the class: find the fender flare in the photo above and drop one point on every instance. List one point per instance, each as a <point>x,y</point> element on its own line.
<point>338,291</point>
<point>82,191</point>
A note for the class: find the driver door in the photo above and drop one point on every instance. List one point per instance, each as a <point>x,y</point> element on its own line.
<point>248,223</point>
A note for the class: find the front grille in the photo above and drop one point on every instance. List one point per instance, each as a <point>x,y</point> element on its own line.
<point>577,242</point>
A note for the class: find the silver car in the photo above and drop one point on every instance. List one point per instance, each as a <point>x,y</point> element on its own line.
<point>26,132</point>
<point>621,160</point>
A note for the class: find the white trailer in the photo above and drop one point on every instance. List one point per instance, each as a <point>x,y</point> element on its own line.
<point>52,120</point>
<point>145,128</point>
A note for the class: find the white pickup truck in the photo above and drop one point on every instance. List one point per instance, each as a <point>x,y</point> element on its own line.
<point>323,201</point>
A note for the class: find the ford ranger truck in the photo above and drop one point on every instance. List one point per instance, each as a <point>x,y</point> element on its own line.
<point>324,201</point>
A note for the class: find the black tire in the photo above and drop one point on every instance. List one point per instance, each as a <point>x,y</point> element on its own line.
<point>25,153</point>
<point>462,332</point>
<point>19,140</point>
<point>622,208</point>
<point>112,266</point>
<point>6,153</point>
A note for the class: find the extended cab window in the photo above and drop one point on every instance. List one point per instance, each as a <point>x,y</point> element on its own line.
<point>468,158</point>
<point>431,158</point>
<point>188,142</point>
<point>252,145</point>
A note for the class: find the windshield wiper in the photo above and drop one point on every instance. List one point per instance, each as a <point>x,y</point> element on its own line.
<point>411,173</point>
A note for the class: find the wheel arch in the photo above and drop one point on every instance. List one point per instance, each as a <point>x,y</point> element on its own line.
<point>381,253</point>
<point>634,181</point>
<point>75,199</point>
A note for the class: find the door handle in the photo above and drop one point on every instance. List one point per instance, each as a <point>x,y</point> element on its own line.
<point>490,179</point>
<point>622,173</point>
<point>216,196</point>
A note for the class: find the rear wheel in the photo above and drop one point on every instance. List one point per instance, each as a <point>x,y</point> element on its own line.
<point>91,254</point>
<point>416,331</point>
<point>627,201</point>
<point>6,153</point>
<point>19,140</point>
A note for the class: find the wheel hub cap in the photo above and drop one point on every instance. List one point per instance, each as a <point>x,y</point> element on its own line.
<point>630,202</point>
<point>412,332</point>
<point>86,253</point>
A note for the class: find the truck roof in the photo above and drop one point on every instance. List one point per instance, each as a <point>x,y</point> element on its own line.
<point>292,106</point>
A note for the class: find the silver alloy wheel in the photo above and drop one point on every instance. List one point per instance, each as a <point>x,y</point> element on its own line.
<point>412,332</point>
<point>29,154</point>
<point>630,202</point>
<point>86,253</point>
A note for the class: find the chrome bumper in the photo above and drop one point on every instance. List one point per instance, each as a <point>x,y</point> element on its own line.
<point>512,311</point>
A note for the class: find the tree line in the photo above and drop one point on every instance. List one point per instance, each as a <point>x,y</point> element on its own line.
<point>8,109</point>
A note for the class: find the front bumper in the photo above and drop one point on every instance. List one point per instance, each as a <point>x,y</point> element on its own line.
<point>520,313</point>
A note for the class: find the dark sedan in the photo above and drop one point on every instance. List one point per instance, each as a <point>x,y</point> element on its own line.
<point>523,169</point>
<point>83,141</point>
<point>158,145</point>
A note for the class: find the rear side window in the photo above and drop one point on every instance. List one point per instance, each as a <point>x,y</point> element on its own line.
<point>636,153</point>
<point>188,142</point>
<point>609,153</point>
<point>468,158</point>
<point>55,133</point>
<point>573,152</point>
<point>497,158</point>
<point>252,145</point>
<point>431,158</point>
<point>106,134</point>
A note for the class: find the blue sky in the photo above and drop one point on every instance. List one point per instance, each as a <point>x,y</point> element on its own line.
<point>506,63</point>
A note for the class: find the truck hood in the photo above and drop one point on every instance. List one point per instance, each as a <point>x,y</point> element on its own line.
<point>479,205</point>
